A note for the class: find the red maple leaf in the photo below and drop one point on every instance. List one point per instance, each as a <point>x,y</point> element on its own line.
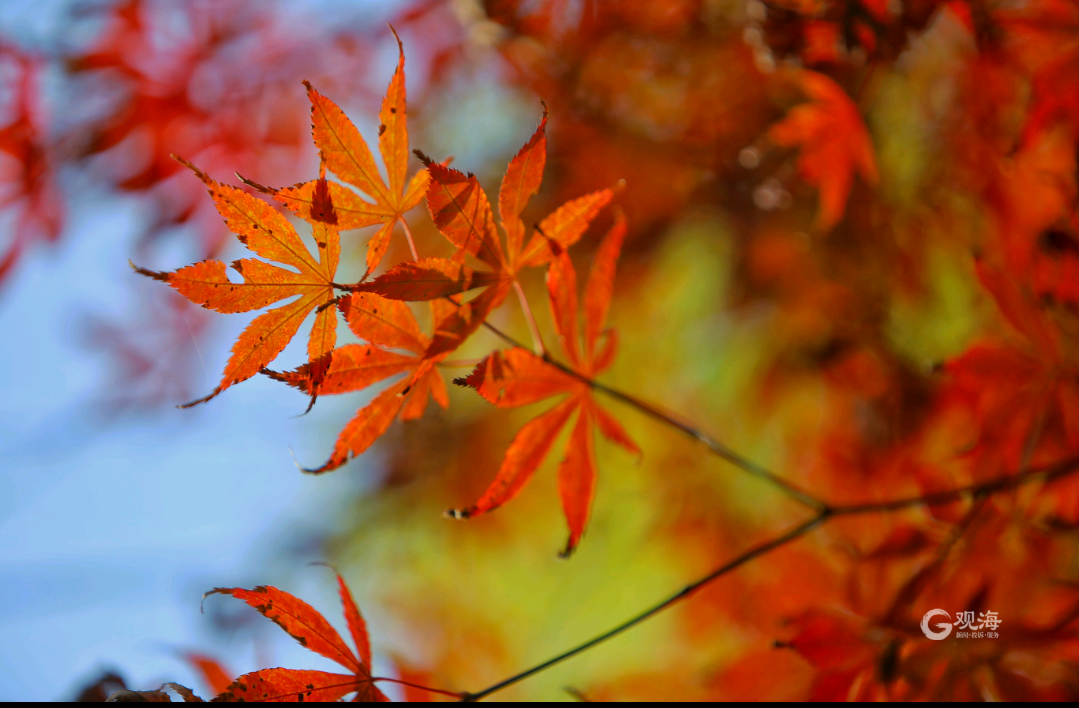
<point>310,629</point>
<point>518,377</point>
<point>269,234</point>
<point>344,151</point>
<point>388,326</point>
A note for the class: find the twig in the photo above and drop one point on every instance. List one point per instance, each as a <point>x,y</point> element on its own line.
<point>749,555</point>
<point>824,511</point>
<point>1047,474</point>
<point>716,447</point>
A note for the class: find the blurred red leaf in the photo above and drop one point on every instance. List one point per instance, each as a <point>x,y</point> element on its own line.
<point>834,144</point>
<point>216,676</point>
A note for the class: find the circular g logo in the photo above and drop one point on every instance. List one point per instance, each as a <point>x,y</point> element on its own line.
<point>942,630</point>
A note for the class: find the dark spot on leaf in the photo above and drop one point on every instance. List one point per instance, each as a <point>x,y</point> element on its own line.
<point>381,129</point>
<point>1059,241</point>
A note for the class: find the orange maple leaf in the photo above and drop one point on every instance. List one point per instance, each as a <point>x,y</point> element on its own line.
<point>310,629</point>
<point>518,377</point>
<point>834,143</point>
<point>386,325</point>
<point>461,212</point>
<point>269,234</point>
<point>344,151</point>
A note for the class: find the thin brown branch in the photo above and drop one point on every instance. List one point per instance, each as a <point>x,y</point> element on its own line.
<point>755,552</point>
<point>1046,474</point>
<point>716,447</point>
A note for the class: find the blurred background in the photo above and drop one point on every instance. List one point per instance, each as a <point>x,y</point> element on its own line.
<point>807,331</point>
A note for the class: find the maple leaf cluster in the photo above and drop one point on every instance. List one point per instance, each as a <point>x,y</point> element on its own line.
<point>375,310</point>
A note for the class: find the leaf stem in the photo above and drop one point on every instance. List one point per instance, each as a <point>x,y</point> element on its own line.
<point>411,243</point>
<point>537,340</point>
<point>455,694</point>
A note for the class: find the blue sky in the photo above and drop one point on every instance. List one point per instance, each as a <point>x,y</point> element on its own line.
<point>112,527</point>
